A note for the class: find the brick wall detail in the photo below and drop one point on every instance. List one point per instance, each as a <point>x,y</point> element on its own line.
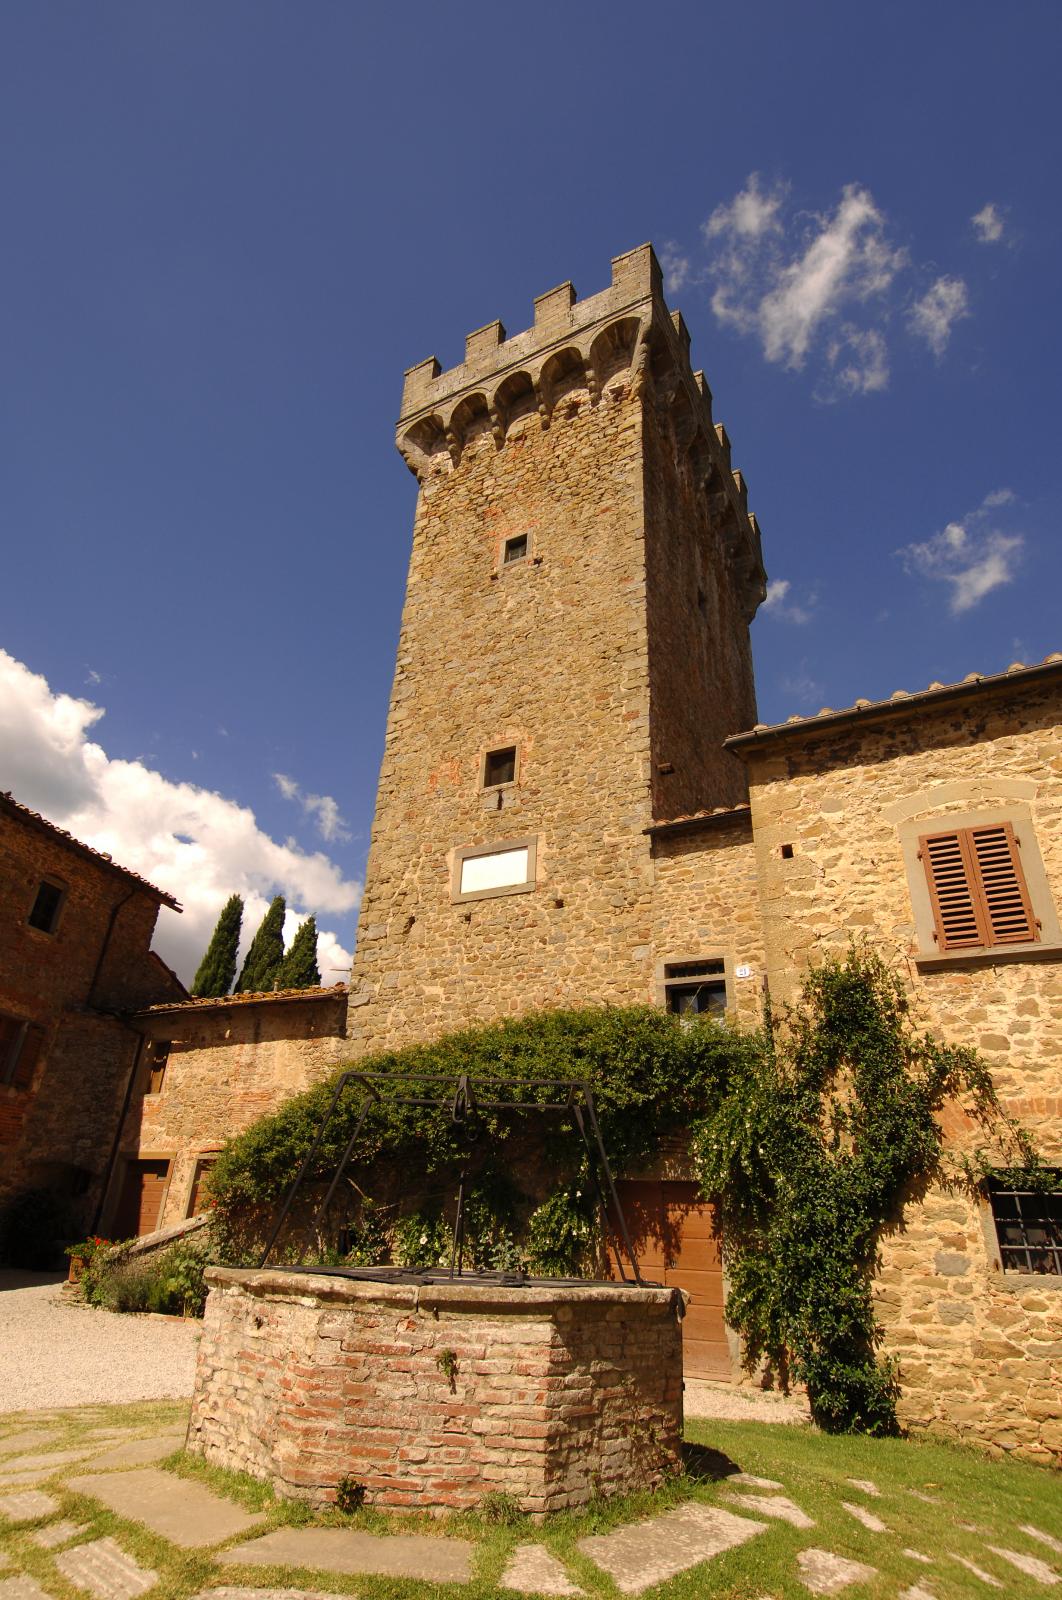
<point>558,1394</point>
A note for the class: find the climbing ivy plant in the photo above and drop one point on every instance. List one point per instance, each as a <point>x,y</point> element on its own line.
<point>808,1134</point>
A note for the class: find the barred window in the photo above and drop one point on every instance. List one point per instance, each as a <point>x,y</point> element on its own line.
<point>1029,1227</point>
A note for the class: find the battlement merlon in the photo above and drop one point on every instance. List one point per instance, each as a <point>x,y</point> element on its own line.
<point>636,279</point>
<point>625,329</point>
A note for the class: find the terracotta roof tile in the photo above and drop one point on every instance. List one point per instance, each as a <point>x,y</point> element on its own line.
<point>899,700</point>
<point>33,819</point>
<point>266,997</point>
<point>699,819</point>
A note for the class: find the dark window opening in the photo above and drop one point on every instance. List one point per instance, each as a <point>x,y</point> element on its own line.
<point>20,1046</point>
<point>514,549</point>
<point>499,766</point>
<point>155,1071</point>
<point>787,852</point>
<point>695,988</point>
<point>46,907</point>
<point>1029,1227</point>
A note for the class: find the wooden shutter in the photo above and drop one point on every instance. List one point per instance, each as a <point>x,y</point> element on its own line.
<point>977,888</point>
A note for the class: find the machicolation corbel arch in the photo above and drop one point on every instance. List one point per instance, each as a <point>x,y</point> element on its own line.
<point>579,353</point>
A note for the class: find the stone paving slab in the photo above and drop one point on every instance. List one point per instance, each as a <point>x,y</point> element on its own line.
<point>21,1480</point>
<point>865,1486</point>
<point>105,1570</point>
<point>978,1572</point>
<point>916,1555</point>
<point>399,1555</point>
<point>825,1573</point>
<point>1032,1566</point>
<point>48,1463</point>
<point>1042,1538</point>
<point>533,1569</point>
<point>916,1592</point>
<point>28,1505</point>
<point>139,1452</point>
<point>57,1533</point>
<point>644,1553</point>
<point>176,1508</point>
<point>22,1588</point>
<point>778,1506</point>
<point>28,1439</point>
<point>236,1593</point>
<point>749,1481</point>
<point>872,1523</point>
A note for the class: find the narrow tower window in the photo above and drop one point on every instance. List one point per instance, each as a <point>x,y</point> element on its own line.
<point>499,766</point>
<point>514,549</point>
<point>46,907</point>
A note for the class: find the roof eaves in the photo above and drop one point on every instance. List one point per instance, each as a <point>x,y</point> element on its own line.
<point>699,820</point>
<point>869,710</point>
<point>33,819</point>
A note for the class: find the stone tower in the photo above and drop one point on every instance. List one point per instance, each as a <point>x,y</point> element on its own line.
<point>574,649</point>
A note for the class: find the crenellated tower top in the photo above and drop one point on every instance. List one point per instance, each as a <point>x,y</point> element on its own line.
<point>624,335</point>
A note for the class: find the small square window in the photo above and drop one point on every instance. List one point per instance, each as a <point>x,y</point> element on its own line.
<point>499,766</point>
<point>46,907</point>
<point>514,549</point>
<point>695,988</point>
<point>1029,1227</point>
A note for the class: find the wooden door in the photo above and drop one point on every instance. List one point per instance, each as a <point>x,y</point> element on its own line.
<point>141,1199</point>
<point>672,1230</point>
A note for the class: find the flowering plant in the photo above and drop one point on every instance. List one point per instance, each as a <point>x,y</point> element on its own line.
<point>88,1247</point>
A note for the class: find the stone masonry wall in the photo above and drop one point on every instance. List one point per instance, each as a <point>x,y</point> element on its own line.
<point>229,1064</point>
<point>433,1397</point>
<point>549,655</point>
<point>700,657</point>
<point>980,1350</point>
<point>705,905</point>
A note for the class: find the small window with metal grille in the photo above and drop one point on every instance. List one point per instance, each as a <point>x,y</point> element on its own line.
<point>695,988</point>
<point>514,549</point>
<point>1029,1227</point>
<point>499,767</point>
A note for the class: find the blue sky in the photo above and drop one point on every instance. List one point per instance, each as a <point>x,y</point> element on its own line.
<point>227,230</point>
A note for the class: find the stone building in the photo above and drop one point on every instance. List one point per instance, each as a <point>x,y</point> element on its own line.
<point>75,960</point>
<point>209,1068</point>
<point>576,805</point>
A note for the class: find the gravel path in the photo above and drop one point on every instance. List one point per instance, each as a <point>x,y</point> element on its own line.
<point>702,1399</point>
<point>56,1354</point>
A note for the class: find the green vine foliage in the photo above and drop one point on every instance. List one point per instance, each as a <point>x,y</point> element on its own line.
<point>810,1155</point>
<point>808,1134</point>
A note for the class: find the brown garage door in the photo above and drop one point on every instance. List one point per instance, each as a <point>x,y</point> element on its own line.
<point>141,1200</point>
<point>672,1232</point>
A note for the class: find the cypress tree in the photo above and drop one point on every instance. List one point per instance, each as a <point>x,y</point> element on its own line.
<point>218,966</point>
<point>299,969</point>
<point>264,958</point>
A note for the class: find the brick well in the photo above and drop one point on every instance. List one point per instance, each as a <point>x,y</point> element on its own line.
<point>433,1396</point>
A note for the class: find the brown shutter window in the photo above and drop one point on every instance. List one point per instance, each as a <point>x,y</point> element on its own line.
<point>977,888</point>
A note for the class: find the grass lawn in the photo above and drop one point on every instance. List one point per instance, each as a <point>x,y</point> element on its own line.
<point>972,1503</point>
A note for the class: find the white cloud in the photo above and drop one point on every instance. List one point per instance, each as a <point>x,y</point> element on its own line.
<point>788,292</point>
<point>676,267</point>
<point>940,308</point>
<point>198,845</point>
<point>324,810</point>
<point>778,604</point>
<point>859,360</point>
<point>973,556</point>
<point>802,687</point>
<point>750,215</point>
<point>988,224</point>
